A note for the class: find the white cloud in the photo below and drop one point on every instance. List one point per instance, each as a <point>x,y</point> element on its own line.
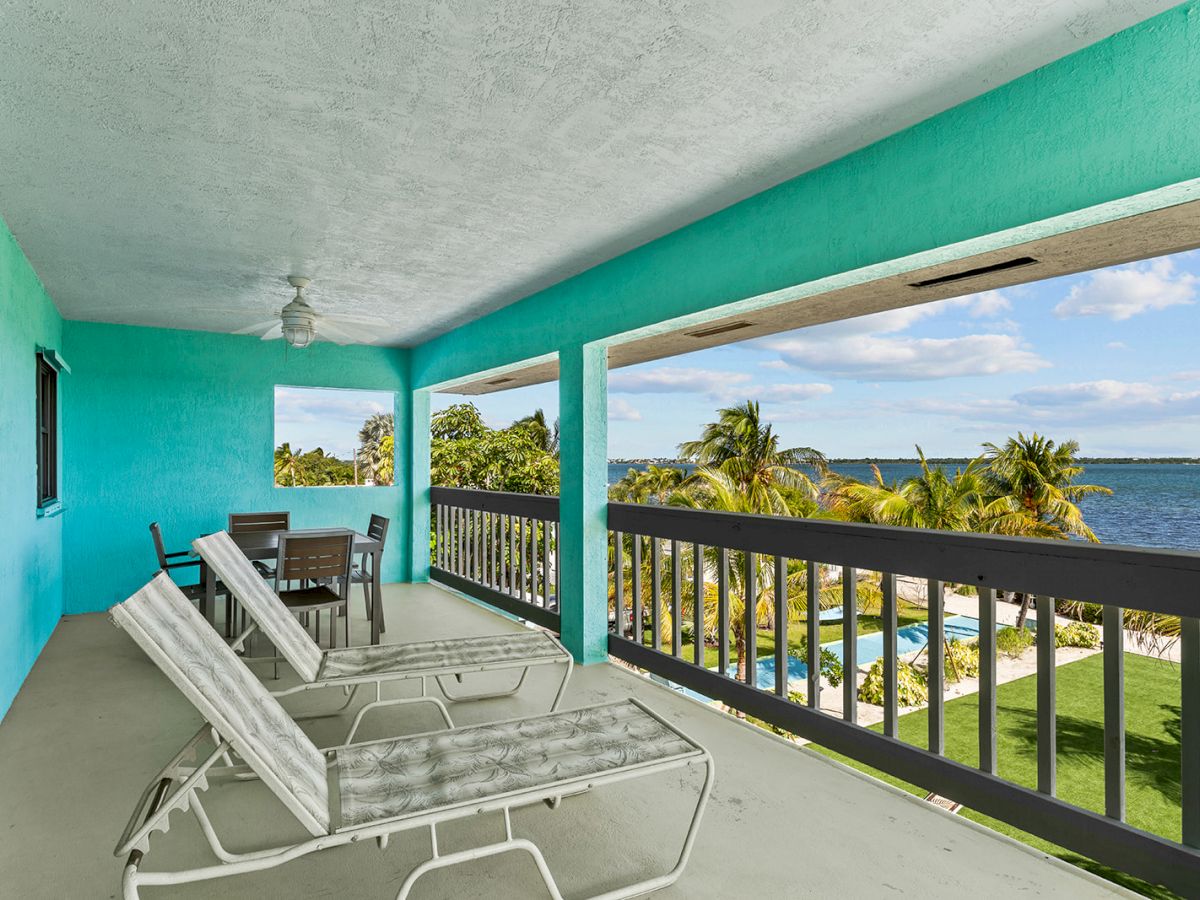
<point>868,357</point>
<point>788,393</point>
<point>1123,292</point>
<point>671,380</point>
<point>1109,402</point>
<point>621,410</point>
<point>1116,345</point>
<point>986,304</point>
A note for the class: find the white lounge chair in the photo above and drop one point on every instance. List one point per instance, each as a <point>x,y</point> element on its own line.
<point>353,667</point>
<point>350,794</point>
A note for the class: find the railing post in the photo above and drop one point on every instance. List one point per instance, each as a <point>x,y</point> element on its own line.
<point>583,500</point>
<point>416,492</point>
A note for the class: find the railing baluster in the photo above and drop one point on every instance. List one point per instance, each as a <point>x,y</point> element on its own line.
<point>462,542</point>
<point>533,563</point>
<point>781,622</point>
<point>655,593</point>
<point>1189,718</point>
<point>888,610</point>
<point>750,619</point>
<point>492,571</point>
<point>522,571</point>
<point>477,543</point>
<point>1046,736</point>
<point>1114,713</point>
<point>814,634</point>
<point>635,577</point>
<point>512,556</point>
<point>937,666</point>
<point>850,644</point>
<point>723,611</point>
<point>698,604</point>
<point>618,583</point>
<point>557,564</point>
<point>987,680</point>
<point>676,601</point>
<point>546,567</point>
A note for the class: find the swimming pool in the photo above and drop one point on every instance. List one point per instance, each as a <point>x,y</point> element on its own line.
<point>870,648</point>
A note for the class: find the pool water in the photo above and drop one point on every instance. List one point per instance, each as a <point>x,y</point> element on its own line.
<point>870,648</point>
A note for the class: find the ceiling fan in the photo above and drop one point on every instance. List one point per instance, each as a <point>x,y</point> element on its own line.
<point>299,324</point>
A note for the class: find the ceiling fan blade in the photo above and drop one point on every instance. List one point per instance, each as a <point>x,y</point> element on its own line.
<point>328,331</point>
<point>257,328</point>
<point>274,332</point>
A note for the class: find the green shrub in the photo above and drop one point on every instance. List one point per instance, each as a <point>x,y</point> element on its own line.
<point>1076,634</point>
<point>911,688</point>
<point>962,660</point>
<point>831,667</point>
<point>1013,643</point>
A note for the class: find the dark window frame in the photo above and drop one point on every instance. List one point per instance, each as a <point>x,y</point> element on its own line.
<point>47,432</point>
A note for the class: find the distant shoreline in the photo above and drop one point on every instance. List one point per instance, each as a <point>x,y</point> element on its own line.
<point>944,460</point>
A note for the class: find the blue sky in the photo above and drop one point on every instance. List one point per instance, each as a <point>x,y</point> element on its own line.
<point>328,418</point>
<point>1106,357</point>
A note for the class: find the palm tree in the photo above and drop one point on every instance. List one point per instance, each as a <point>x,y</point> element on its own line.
<point>287,463</point>
<point>1033,482</point>
<point>370,436</point>
<point>748,452</point>
<point>547,435</point>
<point>932,499</point>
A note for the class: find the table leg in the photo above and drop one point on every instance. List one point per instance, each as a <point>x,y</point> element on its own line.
<point>376,597</point>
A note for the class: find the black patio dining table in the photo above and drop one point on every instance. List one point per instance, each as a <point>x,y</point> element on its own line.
<point>264,545</point>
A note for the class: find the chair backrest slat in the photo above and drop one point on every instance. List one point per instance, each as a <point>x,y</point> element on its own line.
<point>310,557</point>
<point>242,523</point>
<point>378,529</point>
<point>159,547</point>
<point>254,594</point>
<point>191,653</point>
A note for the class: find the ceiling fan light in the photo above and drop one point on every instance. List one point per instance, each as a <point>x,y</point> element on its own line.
<point>298,336</point>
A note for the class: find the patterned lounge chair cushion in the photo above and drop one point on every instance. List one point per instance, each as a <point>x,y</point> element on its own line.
<point>191,653</point>
<point>263,604</point>
<point>406,776</point>
<point>459,654</point>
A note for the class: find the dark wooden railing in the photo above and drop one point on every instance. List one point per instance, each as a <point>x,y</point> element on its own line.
<point>686,553</point>
<point>499,548</point>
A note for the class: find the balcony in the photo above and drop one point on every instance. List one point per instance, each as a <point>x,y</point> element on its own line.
<point>489,545</point>
<point>491,196</point>
<point>773,801</point>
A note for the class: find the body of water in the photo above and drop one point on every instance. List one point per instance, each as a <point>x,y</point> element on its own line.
<point>1152,505</point>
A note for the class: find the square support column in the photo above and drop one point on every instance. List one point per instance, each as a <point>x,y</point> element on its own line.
<point>583,500</point>
<point>417,494</point>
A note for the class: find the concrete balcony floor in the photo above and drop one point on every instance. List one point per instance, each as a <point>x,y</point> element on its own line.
<point>96,720</point>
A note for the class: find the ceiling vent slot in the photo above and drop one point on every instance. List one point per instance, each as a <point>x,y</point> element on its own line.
<point>504,380</point>
<point>718,329</point>
<point>1017,263</point>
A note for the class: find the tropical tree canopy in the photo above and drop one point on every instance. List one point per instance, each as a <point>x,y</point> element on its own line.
<point>466,452</point>
<point>377,460</point>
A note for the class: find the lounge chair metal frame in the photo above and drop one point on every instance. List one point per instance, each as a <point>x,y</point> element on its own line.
<point>291,641</point>
<point>178,786</point>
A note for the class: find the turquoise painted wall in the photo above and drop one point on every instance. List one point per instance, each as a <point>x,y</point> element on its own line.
<point>178,427</point>
<point>31,591</point>
<point>1118,118</point>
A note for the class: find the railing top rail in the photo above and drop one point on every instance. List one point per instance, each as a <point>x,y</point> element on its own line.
<point>534,506</point>
<point>1166,581</point>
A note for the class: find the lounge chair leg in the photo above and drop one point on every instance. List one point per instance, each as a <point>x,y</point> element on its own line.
<point>437,861</point>
<point>378,702</point>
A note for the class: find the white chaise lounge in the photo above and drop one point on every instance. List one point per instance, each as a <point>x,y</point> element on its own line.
<point>352,793</point>
<point>353,667</point>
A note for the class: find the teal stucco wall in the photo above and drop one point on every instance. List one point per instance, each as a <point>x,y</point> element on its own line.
<point>178,426</point>
<point>31,590</point>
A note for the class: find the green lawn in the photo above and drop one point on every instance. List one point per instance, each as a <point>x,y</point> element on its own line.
<point>1152,748</point>
<point>906,614</point>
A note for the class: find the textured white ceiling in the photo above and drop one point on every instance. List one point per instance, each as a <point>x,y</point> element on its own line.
<point>425,162</point>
